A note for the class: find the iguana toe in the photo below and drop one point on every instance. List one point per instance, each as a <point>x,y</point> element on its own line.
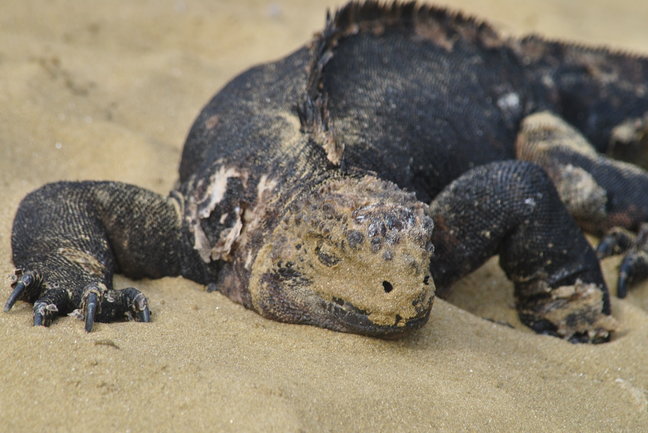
<point>634,265</point>
<point>25,285</point>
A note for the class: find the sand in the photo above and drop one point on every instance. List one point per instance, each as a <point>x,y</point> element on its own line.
<point>108,90</point>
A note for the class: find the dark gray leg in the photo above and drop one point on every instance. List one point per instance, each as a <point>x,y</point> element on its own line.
<point>70,237</point>
<point>512,209</point>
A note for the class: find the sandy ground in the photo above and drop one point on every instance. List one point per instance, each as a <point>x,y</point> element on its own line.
<point>107,90</point>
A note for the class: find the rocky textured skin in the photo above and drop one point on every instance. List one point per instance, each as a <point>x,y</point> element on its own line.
<point>305,184</point>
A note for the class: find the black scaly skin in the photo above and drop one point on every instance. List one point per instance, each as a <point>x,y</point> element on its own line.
<point>424,98</point>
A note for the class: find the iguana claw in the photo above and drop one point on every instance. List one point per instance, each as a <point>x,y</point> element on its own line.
<point>138,304</point>
<point>44,313</point>
<point>634,266</point>
<point>90,310</point>
<point>39,319</point>
<point>15,295</point>
<point>616,241</point>
<point>24,286</point>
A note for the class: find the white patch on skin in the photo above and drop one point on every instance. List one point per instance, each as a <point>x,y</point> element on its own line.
<point>253,216</point>
<point>265,185</point>
<point>548,81</point>
<point>264,189</point>
<point>201,243</point>
<point>245,219</point>
<point>334,150</point>
<point>530,202</point>
<point>217,188</point>
<point>223,247</point>
<point>248,260</point>
<point>509,102</point>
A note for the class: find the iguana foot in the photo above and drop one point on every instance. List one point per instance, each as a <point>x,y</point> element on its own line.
<point>616,241</point>
<point>69,239</point>
<point>95,302</point>
<point>101,304</point>
<point>574,312</point>
<point>634,266</point>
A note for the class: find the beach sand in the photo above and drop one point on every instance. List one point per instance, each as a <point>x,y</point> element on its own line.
<point>108,90</point>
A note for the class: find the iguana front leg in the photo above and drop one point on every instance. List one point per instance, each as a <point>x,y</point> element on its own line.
<point>511,208</point>
<point>70,237</point>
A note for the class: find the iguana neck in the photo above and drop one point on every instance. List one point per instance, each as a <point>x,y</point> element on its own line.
<point>230,213</point>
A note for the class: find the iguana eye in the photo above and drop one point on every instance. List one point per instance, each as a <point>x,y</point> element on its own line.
<point>326,256</point>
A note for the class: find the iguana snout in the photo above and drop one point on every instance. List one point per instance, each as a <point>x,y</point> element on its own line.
<point>351,255</point>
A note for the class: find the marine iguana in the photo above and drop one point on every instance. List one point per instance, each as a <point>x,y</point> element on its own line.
<point>340,185</point>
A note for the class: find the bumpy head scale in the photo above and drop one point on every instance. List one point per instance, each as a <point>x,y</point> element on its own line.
<point>350,255</point>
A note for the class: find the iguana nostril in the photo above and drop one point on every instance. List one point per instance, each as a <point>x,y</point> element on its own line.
<point>387,286</point>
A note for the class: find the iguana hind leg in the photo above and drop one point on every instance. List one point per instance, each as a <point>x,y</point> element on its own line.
<point>70,237</point>
<point>602,194</point>
<point>511,208</point>
<point>599,192</point>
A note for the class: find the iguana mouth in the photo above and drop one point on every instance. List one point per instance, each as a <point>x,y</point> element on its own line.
<point>355,320</point>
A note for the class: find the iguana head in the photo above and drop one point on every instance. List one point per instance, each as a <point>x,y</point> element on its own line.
<point>350,255</point>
